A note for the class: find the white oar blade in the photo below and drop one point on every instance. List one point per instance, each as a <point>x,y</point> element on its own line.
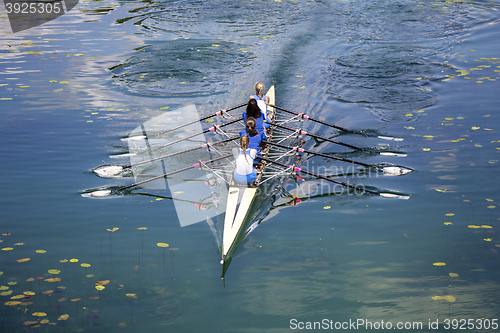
<point>393,154</point>
<point>108,171</point>
<point>97,194</point>
<point>390,138</point>
<point>122,155</point>
<point>395,196</point>
<point>395,171</point>
<point>134,138</point>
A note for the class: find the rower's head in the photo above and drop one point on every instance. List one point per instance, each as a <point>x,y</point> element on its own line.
<point>244,142</point>
<point>253,109</point>
<point>251,126</point>
<point>259,89</point>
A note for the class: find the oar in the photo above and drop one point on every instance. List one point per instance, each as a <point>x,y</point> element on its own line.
<point>113,170</point>
<point>301,132</point>
<point>305,116</point>
<point>211,129</point>
<point>103,193</point>
<point>220,112</point>
<point>356,188</point>
<point>389,171</point>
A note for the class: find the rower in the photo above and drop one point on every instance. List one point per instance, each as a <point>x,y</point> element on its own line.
<point>254,111</point>
<point>256,137</point>
<point>244,172</point>
<point>262,100</point>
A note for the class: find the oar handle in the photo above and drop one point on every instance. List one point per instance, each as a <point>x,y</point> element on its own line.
<point>302,150</point>
<point>305,116</point>
<point>296,168</point>
<point>196,165</point>
<point>221,111</point>
<point>211,129</point>
<point>301,132</point>
<point>205,145</point>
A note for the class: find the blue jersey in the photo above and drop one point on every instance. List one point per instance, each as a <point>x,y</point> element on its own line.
<point>255,141</point>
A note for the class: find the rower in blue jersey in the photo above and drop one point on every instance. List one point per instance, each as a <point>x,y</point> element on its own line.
<point>244,172</point>
<point>255,136</point>
<point>254,111</point>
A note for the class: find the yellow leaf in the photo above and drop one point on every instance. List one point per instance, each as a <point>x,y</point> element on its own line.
<point>99,287</point>
<point>54,271</point>
<point>63,317</point>
<point>162,244</point>
<point>39,314</point>
<point>439,264</point>
<point>453,274</point>
<point>327,207</point>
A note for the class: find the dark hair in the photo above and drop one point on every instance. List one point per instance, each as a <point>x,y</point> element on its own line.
<point>253,109</point>
<point>251,126</point>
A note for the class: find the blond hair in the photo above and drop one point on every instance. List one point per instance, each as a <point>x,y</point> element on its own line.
<point>259,89</point>
<point>244,142</point>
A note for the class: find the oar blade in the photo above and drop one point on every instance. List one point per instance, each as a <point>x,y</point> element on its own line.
<point>108,171</point>
<point>97,194</point>
<point>395,171</point>
<point>389,138</point>
<point>393,154</point>
<point>394,196</point>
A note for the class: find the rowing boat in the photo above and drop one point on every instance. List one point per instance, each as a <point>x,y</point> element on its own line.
<point>239,208</point>
<point>241,198</point>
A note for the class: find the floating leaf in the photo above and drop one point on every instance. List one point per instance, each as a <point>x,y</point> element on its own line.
<point>102,283</point>
<point>7,249</point>
<point>40,251</point>
<point>142,228</point>
<point>437,297</point>
<point>53,279</point>
<point>475,128</point>
<point>449,214</point>
<point>484,226</point>
<point>327,207</point>
<point>64,82</point>
<point>449,298</point>
<point>39,314</point>
<point>426,149</point>
<point>54,271</point>
<point>44,321</point>
<point>63,317</point>
<point>439,264</point>
<point>162,244</point>
<point>4,287</point>
<point>130,295</point>
<point>100,287</point>
<point>23,260</point>
<point>85,265</point>
<point>29,293</point>
<point>73,260</point>
<point>112,230</point>
<point>6,293</point>
<point>12,303</point>
<point>448,223</point>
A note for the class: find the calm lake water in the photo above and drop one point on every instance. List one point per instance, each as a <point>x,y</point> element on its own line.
<point>425,71</point>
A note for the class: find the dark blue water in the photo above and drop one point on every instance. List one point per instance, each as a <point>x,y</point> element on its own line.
<point>425,71</point>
